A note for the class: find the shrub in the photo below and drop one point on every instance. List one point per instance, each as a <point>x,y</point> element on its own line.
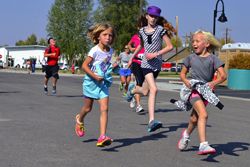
<point>240,61</point>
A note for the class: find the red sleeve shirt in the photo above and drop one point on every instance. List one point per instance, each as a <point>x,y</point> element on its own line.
<point>135,40</point>
<point>52,60</point>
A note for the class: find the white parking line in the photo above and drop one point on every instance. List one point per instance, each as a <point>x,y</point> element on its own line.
<point>4,120</point>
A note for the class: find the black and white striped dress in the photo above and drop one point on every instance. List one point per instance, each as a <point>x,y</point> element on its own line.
<point>152,43</point>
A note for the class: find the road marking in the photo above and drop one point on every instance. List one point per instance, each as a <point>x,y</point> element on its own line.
<point>4,120</point>
<point>234,98</point>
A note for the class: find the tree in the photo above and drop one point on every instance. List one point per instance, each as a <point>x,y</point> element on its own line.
<point>123,15</point>
<point>176,42</point>
<point>68,22</point>
<point>42,41</point>
<point>20,43</point>
<point>31,40</point>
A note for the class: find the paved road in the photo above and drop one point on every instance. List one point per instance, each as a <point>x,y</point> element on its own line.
<point>223,91</point>
<point>38,130</point>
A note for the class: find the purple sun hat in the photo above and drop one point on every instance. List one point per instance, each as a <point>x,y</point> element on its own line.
<point>154,10</point>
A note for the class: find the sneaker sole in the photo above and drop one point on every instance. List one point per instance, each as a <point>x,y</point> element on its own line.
<point>158,126</point>
<point>105,143</point>
<point>142,110</point>
<point>206,152</point>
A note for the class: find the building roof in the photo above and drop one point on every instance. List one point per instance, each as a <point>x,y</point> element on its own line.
<point>236,46</point>
<point>25,47</point>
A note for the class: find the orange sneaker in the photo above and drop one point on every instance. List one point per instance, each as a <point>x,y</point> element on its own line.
<point>79,127</point>
<point>104,141</point>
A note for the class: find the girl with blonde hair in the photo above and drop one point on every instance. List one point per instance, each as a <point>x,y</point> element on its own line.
<point>202,65</point>
<point>97,80</point>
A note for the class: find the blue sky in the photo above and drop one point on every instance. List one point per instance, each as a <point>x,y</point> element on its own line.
<point>20,18</point>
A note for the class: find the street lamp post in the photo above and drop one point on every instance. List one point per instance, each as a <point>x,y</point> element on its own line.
<point>222,18</point>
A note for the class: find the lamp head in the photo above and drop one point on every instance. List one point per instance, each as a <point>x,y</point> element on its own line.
<point>222,18</point>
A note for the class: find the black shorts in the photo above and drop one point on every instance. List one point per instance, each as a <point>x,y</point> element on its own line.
<point>137,71</point>
<point>44,68</point>
<point>52,71</point>
<point>147,71</point>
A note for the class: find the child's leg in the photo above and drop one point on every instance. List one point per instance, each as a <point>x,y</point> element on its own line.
<point>184,140</point>
<point>103,140</point>
<point>143,90</point>
<point>141,83</point>
<point>54,81</point>
<point>128,79</point>
<point>79,127</point>
<point>122,83</point>
<point>122,79</point>
<point>152,95</point>
<point>192,122</point>
<point>202,119</point>
<point>88,103</point>
<point>103,115</point>
<point>138,99</point>
<point>46,81</point>
<point>204,147</point>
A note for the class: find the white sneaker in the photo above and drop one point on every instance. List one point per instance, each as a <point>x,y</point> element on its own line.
<point>205,149</point>
<point>183,142</point>
<point>132,103</point>
<point>139,109</point>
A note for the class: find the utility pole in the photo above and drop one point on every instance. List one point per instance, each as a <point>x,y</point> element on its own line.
<point>176,48</point>
<point>187,39</point>
<point>176,27</point>
<point>227,30</point>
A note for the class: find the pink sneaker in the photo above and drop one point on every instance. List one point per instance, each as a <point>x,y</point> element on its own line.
<point>79,127</point>
<point>104,141</point>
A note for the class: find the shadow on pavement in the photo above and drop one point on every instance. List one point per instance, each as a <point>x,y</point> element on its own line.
<point>160,110</point>
<point>168,110</point>
<point>230,148</point>
<point>151,137</point>
<point>2,92</point>
<point>67,95</point>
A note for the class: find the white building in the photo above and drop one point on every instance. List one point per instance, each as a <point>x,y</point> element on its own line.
<point>16,56</point>
<point>236,46</point>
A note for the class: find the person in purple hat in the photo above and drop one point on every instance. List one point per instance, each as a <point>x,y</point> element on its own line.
<point>152,36</point>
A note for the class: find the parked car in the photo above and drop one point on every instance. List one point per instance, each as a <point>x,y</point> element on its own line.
<point>173,69</point>
<point>77,68</point>
<point>166,66</point>
<point>63,66</point>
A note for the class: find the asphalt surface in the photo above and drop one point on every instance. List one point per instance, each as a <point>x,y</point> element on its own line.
<point>38,130</point>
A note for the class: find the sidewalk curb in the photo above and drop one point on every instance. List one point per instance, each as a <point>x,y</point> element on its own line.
<point>171,86</point>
